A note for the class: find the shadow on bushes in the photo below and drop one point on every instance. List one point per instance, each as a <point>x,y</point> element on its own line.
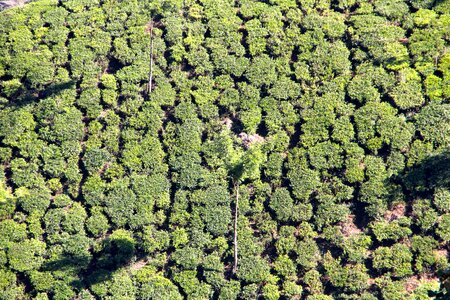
<point>97,267</point>
<point>421,180</point>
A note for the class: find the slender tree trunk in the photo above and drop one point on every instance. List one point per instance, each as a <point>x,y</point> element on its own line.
<point>236,209</point>
<point>150,77</point>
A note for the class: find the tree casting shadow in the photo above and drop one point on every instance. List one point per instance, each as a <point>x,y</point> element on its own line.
<point>97,267</point>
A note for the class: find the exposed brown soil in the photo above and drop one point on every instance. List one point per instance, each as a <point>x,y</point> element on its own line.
<point>349,228</point>
<point>138,265</point>
<point>395,212</point>
<point>12,3</point>
<point>248,140</point>
<point>227,122</point>
<point>413,282</point>
<point>441,253</point>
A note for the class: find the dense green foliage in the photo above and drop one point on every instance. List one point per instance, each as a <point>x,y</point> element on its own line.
<point>330,119</point>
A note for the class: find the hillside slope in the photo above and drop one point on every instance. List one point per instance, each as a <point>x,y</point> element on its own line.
<point>132,133</point>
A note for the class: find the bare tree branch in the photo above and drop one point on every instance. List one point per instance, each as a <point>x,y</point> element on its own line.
<point>236,209</point>
<point>151,63</point>
<point>150,76</point>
